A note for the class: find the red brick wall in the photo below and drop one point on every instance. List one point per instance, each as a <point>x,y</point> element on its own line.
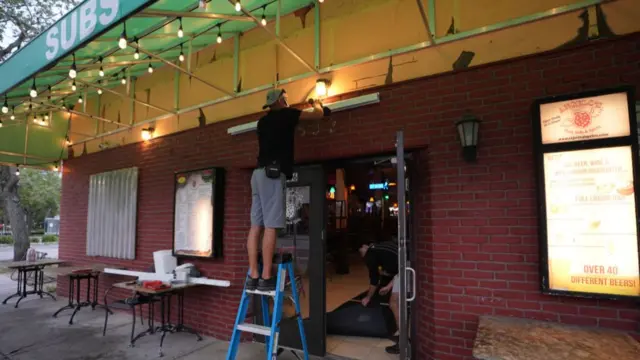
<point>476,225</point>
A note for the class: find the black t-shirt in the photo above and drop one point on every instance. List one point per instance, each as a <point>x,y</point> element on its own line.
<point>276,132</point>
<point>385,255</point>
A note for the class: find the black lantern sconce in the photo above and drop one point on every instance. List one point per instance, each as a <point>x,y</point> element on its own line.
<point>468,133</point>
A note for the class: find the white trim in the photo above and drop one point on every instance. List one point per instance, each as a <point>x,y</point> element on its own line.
<point>341,105</point>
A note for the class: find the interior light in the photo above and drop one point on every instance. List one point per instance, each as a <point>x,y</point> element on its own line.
<point>136,55</point>
<point>322,87</point>
<point>150,69</point>
<point>13,112</point>
<point>180,30</point>
<point>122,43</point>
<point>147,133</point>
<point>320,1</point>
<point>101,72</point>
<point>238,6</point>
<point>99,91</point>
<point>34,92</point>
<point>181,57</point>
<point>219,39</point>
<point>124,79</point>
<point>73,71</point>
<point>5,106</point>
<point>80,101</point>
<point>17,170</point>
<point>73,86</point>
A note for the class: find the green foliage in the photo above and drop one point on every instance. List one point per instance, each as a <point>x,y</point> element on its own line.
<point>6,240</point>
<point>49,239</point>
<point>22,20</point>
<point>34,239</point>
<point>39,194</point>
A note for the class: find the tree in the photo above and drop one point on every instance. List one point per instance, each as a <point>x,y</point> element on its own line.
<point>39,195</point>
<point>22,20</point>
<point>13,210</point>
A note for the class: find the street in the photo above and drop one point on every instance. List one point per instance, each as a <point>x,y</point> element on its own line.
<point>6,251</point>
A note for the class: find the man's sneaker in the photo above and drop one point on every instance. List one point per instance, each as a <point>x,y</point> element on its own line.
<point>267,284</point>
<point>393,349</point>
<point>252,283</point>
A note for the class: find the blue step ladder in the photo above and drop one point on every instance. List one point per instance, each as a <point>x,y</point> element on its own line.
<point>272,332</point>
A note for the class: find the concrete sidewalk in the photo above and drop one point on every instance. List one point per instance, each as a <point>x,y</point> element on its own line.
<point>31,333</point>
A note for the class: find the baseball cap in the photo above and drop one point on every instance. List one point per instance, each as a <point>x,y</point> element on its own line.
<point>272,96</point>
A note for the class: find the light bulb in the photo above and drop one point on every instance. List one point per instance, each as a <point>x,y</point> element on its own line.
<point>180,33</point>
<point>122,43</point>
<point>150,69</point>
<point>219,39</point>
<point>238,6</point>
<point>13,117</point>
<point>123,81</point>
<point>181,57</point>
<point>5,108</point>
<point>202,4</point>
<point>17,171</point>
<point>99,91</point>
<point>67,141</point>
<point>33,92</point>
<point>55,167</point>
<point>263,21</point>
<point>320,1</point>
<point>80,101</point>
<point>136,55</point>
<point>101,72</point>
<point>0,123</point>
<point>72,73</point>
<point>46,117</point>
<point>73,86</point>
<point>146,134</point>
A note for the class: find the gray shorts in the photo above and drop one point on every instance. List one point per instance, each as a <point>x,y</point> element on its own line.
<point>267,200</point>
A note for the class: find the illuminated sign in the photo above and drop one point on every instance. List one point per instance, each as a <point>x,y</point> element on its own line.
<point>379,186</point>
<point>198,213</point>
<point>587,155</point>
<point>592,235</point>
<point>589,118</point>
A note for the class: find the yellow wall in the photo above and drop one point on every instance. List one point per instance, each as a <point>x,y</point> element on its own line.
<point>350,30</point>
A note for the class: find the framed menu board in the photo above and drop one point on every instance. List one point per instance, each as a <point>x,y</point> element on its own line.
<point>587,158</point>
<point>198,213</point>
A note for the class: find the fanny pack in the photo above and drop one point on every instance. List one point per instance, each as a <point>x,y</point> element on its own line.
<point>273,170</point>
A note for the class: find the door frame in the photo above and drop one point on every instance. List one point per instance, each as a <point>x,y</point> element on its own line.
<point>315,327</point>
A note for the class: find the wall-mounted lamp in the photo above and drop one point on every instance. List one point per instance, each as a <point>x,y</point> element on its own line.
<point>468,134</point>
<point>322,87</point>
<point>147,133</point>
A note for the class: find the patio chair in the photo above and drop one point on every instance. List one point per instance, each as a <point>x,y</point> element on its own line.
<point>129,303</point>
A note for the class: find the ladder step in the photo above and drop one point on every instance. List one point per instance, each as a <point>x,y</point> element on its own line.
<point>265,293</point>
<point>255,329</point>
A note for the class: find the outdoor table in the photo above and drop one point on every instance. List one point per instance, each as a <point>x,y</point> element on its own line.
<point>164,296</point>
<point>24,269</point>
<point>77,274</point>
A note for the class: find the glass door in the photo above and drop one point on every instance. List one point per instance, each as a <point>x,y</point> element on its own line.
<point>405,271</point>
<point>303,237</point>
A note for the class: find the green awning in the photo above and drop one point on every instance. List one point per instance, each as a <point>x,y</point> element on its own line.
<point>89,34</point>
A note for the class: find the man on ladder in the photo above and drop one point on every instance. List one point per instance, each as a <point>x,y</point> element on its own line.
<point>276,132</point>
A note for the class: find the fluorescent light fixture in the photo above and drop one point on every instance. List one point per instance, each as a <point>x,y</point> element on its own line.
<point>335,107</point>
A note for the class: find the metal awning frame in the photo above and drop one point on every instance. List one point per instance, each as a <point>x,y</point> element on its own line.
<point>314,69</point>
